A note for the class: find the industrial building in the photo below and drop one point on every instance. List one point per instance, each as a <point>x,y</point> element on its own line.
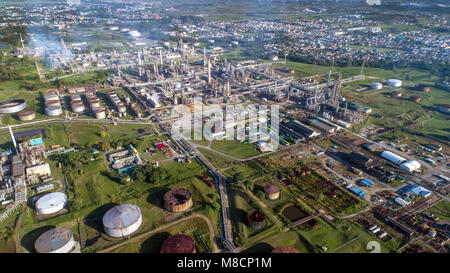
<point>178,200</point>
<point>51,203</point>
<point>359,160</point>
<point>179,243</point>
<point>39,170</point>
<point>394,158</point>
<point>303,129</point>
<point>57,240</point>
<point>410,166</point>
<point>122,220</point>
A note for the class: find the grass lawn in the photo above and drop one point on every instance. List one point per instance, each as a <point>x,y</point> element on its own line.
<point>235,148</point>
<point>217,160</point>
<point>152,243</point>
<point>441,209</point>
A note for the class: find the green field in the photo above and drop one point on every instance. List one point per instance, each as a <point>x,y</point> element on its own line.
<point>441,209</point>
<point>235,148</point>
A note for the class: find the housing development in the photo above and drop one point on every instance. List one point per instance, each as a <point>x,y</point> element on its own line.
<point>256,126</point>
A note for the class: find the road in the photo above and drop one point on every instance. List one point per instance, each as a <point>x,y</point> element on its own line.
<point>137,238</point>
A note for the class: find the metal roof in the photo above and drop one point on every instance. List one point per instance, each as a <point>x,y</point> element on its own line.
<point>51,200</point>
<point>53,239</point>
<point>122,216</point>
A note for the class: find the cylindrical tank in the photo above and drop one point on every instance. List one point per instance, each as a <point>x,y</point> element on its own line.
<point>394,82</point>
<point>51,203</point>
<point>256,219</point>
<point>53,111</point>
<point>95,103</point>
<point>376,85</point>
<point>77,107</point>
<point>57,240</point>
<point>52,103</point>
<point>272,191</point>
<point>51,97</point>
<point>178,244</point>
<point>121,107</point>
<point>12,106</point>
<point>122,220</point>
<point>178,200</point>
<point>26,115</point>
<point>284,249</point>
<point>99,113</point>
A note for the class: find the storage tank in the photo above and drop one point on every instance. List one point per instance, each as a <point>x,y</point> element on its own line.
<point>51,203</point>
<point>284,249</point>
<point>394,82</point>
<point>99,113</point>
<point>179,243</point>
<point>178,200</point>
<point>376,85</point>
<point>394,158</point>
<point>52,103</point>
<point>122,220</point>
<point>256,219</point>
<point>12,106</point>
<point>121,108</point>
<point>95,103</point>
<point>26,115</point>
<point>77,107</point>
<point>53,111</point>
<point>272,191</point>
<point>57,240</point>
<point>51,97</point>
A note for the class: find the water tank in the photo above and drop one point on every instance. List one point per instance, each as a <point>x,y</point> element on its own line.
<point>122,220</point>
<point>394,82</point>
<point>51,203</point>
<point>376,85</point>
<point>57,240</point>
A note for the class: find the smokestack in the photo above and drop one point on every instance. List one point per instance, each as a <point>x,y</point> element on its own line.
<point>13,139</point>
<point>160,57</point>
<point>209,70</point>
<point>21,40</point>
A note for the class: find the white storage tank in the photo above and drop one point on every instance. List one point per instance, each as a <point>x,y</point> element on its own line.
<point>51,97</point>
<point>122,220</point>
<point>51,203</point>
<point>376,85</point>
<point>77,107</point>
<point>121,108</point>
<point>53,111</point>
<point>394,158</point>
<point>99,113</point>
<point>57,240</point>
<point>394,82</point>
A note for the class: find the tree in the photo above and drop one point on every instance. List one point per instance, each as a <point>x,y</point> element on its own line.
<point>238,178</point>
<point>105,146</point>
<point>250,185</point>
